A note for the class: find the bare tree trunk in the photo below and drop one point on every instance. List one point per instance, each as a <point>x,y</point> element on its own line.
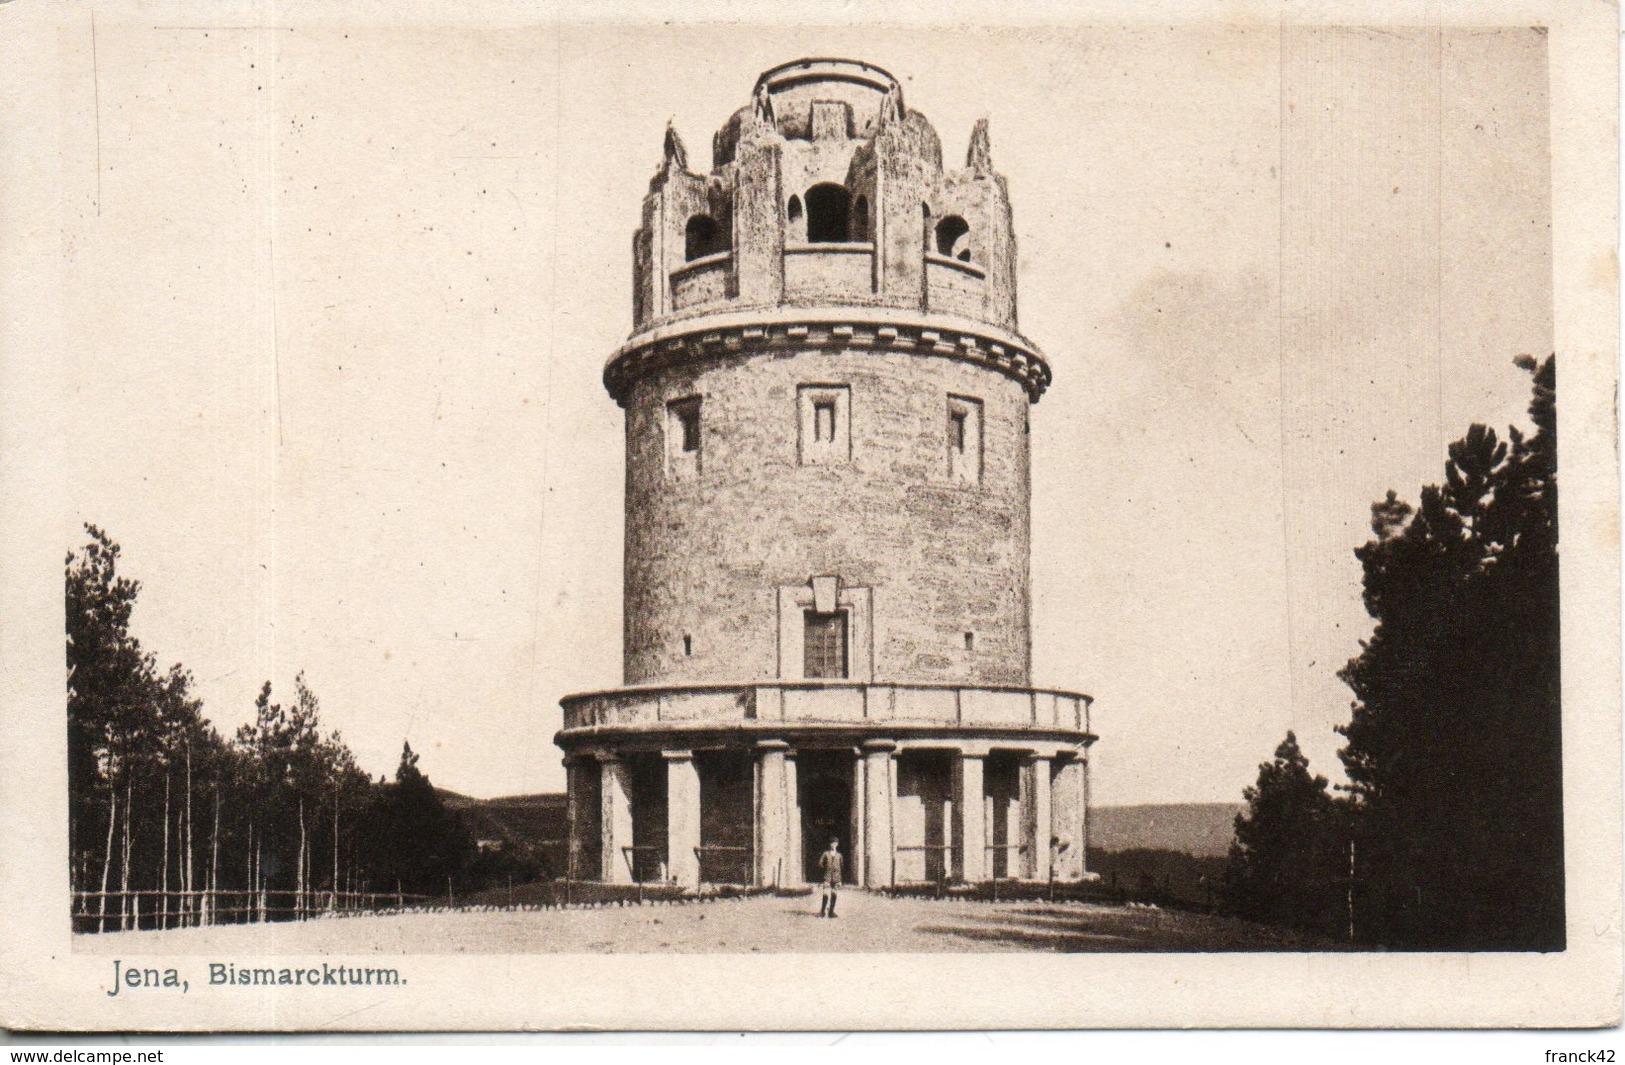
<point>163,862</point>
<point>259,880</point>
<point>107,859</point>
<point>335,898</point>
<point>124,875</point>
<point>308,844</point>
<point>212,899</point>
<point>251,883</point>
<point>188,883</point>
<point>299,868</point>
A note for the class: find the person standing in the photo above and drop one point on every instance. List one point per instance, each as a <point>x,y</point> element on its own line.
<point>831,865</point>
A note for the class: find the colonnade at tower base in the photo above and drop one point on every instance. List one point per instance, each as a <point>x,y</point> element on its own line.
<point>758,810</point>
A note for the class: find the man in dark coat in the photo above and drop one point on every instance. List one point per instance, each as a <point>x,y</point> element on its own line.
<point>830,867</point>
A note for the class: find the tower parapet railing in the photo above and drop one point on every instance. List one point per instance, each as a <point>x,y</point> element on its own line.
<point>833,272</point>
<point>829,271</point>
<point>830,702</point>
<point>703,282</point>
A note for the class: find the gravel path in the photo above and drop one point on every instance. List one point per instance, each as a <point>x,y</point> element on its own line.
<point>867,924</point>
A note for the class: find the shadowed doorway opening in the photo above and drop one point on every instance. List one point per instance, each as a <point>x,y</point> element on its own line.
<point>824,788</point>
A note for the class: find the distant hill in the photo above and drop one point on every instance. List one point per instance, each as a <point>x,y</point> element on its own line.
<point>531,826</point>
<point>1200,828</point>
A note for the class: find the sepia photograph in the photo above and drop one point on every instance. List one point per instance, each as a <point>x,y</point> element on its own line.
<point>555,502</point>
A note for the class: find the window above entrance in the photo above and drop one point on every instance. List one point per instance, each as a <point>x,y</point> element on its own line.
<point>825,631</point>
<point>825,645</point>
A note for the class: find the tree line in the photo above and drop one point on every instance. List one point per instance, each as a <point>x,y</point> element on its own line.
<point>167,817</point>
<point>1449,835</point>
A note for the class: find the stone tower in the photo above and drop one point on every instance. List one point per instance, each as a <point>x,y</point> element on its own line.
<point>827,518</point>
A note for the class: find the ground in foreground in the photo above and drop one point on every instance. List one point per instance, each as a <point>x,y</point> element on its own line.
<point>762,924</point>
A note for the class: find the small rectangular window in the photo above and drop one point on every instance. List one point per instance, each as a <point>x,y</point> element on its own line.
<point>964,443</point>
<point>683,437</point>
<point>690,419</point>
<point>824,424</point>
<point>825,645</point>
<point>824,421</point>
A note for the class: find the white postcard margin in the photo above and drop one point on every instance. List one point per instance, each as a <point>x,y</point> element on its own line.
<point>45,985</point>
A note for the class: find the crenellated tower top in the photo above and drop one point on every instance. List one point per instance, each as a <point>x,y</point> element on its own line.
<point>827,202</point>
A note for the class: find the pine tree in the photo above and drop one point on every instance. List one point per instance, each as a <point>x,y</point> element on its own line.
<point>158,801</point>
<point>110,688</point>
<point>1454,745</point>
<point>1286,863</point>
<point>419,843</point>
<point>130,731</point>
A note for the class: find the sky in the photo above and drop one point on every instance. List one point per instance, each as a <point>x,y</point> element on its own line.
<point>337,297</point>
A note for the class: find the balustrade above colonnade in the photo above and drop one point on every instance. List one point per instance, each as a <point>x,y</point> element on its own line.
<point>815,703</point>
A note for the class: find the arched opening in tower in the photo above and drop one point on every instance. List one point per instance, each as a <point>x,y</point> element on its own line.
<point>953,238</point>
<point>797,222</point>
<point>829,212</point>
<point>700,238</point>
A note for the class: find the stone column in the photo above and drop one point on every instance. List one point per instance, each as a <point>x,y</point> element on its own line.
<point>970,829</point>
<point>793,873</point>
<point>1069,817</point>
<point>615,821</point>
<point>772,813</point>
<point>1083,813</point>
<point>879,792</point>
<point>857,826</point>
<point>682,819</point>
<point>581,813</point>
<point>1036,817</point>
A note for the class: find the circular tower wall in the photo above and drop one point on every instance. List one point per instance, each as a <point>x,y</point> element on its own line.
<point>903,476</point>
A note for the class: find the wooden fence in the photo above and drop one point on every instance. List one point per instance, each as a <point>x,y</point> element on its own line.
<point>109,911</point>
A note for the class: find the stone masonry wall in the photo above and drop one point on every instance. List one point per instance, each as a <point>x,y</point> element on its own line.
<point>706,554</point>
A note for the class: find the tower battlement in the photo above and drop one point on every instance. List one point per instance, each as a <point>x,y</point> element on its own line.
<point>826,190</point>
